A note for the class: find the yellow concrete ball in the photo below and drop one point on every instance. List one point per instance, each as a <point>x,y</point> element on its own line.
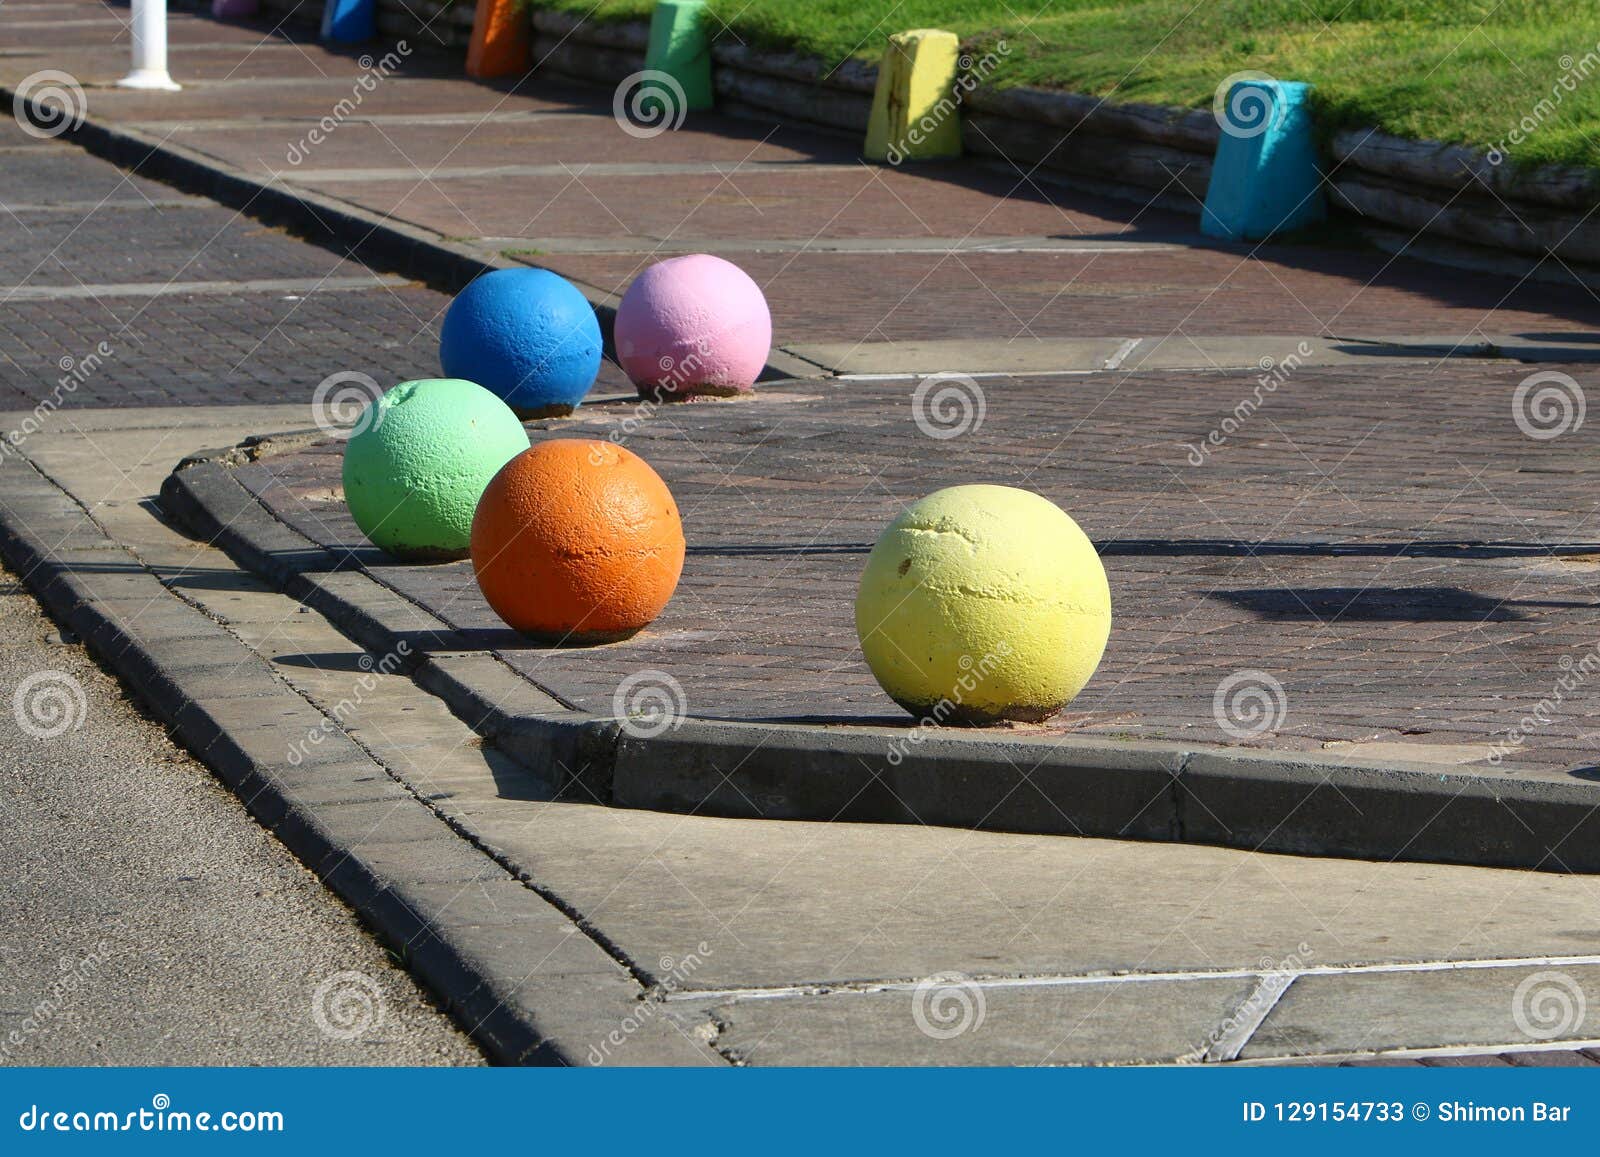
<point>983,603</point>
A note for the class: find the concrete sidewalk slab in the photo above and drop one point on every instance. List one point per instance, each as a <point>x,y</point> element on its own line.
<point>527,983</point>
<point>1263,353</point>
<point>1417,1010</point>
<point>1155,1022</point>
<point>197,941</point>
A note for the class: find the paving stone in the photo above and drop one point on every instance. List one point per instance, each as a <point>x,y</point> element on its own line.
<point>817,903</point>
<point>57,171</point>
<point>567,131</point>
<point>1021,298</point>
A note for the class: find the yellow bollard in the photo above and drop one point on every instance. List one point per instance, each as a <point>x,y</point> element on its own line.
<point>915,115</point>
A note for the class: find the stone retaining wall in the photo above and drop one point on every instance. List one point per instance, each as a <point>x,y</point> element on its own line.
<point>436,23</point>
<point>1417,186</point>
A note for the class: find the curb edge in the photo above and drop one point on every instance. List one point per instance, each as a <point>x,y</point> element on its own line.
<point>1164,792</point>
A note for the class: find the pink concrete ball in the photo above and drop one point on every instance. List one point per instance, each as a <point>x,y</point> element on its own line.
<point>693,326</point>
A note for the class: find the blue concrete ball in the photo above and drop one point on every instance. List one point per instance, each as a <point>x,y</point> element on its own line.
<point>527,335</point>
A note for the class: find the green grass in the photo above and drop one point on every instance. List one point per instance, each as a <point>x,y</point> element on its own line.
<point>1464,71</point>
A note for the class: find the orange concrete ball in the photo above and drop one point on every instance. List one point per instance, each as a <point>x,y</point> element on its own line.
<point>577,540</point>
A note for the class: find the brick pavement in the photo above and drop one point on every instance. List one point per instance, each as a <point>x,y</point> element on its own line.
<point>1386,544</point>
<point>532,130</point>
<point>416,145</point>
<point>87,225</point>
<point>826,297</point>
<point>196,241</point>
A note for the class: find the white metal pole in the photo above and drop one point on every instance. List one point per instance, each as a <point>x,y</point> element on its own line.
<point>149,47</point>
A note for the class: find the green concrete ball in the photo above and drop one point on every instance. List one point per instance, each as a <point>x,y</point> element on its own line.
<point>419,461</point>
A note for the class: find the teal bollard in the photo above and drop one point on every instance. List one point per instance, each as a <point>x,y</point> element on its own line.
<point>349,21</point>
<point>1265,178</point>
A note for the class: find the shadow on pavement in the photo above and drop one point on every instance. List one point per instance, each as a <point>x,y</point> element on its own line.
<point>1402,604</point>
<point>1181,547</point>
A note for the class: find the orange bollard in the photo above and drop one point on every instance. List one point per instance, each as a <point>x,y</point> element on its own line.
<point>577,540</point>
<point>499,38</point>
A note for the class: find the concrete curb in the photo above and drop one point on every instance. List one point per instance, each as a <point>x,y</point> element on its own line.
<point>1508,817</point>
<point>376,241</point>
<point>462,922</point>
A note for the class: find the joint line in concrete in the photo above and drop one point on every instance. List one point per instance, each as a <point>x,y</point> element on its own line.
<point>1123,351</point>
<point>859,988</point>
<point>1249,1016</point>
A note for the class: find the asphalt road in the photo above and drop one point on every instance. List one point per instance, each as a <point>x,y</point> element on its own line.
<point>145,918</point>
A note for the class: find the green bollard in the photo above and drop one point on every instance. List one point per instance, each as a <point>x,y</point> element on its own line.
<point>681,51</point>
